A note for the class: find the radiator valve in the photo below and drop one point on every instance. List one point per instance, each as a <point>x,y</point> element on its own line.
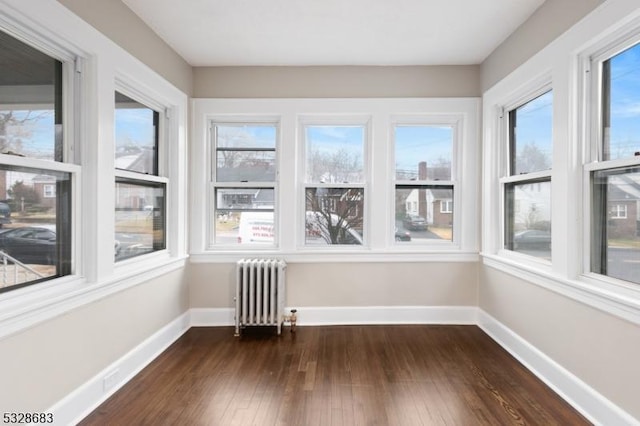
<point>291,319</point>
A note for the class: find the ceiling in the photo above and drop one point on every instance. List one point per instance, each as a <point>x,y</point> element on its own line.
<point>333,32</point>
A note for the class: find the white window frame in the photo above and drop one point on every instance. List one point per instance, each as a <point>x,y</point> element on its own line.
<point>529,92</point>
<point>131,89</point>
<point>92,65</point>
<point>378,229</point>
<point>592,60</point>
<point>567,63</point>
<point>213,184</point>
<point>70,163</point>
<point>455,122</point>
<point>363,121</point>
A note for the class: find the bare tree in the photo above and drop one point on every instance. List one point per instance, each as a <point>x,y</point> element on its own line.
<point>333,211</point>
<point>339,166</point>
<point>13,130</point>
<point>532,158</point>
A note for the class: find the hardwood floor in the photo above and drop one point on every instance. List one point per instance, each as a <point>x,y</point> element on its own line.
<point>341,375</point>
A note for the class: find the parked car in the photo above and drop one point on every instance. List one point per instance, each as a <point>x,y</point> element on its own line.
<point>30,244</point>
<point>5,214</point>
<point>532,239</point>
<point>403,235</point>
<point>414,222</point>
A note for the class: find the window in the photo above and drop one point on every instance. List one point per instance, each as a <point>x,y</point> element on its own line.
<point>446,206</point>
<point>243,182</point>
<point>618,211</point>
<point>49,191</point>
<point>137,136</point>
<point>140,190</point>
<point>334,190</point>
<point>316,165</point>
<point>614,172</point>
<point>36,174</point>
<point>424,187</point>
<point>527,189</point>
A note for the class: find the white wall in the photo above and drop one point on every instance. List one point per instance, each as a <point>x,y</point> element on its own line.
<point>45,363</point>
<point>314,285</point>
<point>600,349</point>
<point>337,82</point>
<point>551,19</point>
<point>115,20</point>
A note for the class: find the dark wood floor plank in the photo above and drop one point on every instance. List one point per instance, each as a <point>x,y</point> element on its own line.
<point>373,375</point>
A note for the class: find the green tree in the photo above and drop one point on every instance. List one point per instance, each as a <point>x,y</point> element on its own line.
<point>19,191</point>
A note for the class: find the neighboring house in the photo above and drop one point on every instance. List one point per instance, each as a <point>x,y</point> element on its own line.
<point>441,208</point>
<point>45,186</point>
<point>532,208</point>
<point>623,202</point>
<point>132,197</point>
<point>435,205</point>
<point>249,198</point>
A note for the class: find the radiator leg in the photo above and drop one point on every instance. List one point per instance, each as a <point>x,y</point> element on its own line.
<point>237,319</point>
<point>291,319</point>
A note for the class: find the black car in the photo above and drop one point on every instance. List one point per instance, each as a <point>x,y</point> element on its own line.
<point>414,222</point>
<point>30,244</point>
<point>532,239</point>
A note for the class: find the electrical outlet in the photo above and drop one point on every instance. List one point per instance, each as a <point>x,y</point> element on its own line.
<point>110,380</point>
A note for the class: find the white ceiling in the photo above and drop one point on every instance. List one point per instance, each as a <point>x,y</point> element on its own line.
<point>333,32</point>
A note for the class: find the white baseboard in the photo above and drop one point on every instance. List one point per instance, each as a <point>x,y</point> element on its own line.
<point>82,401</point>
<point>352,315</point>
<point>595,407</point>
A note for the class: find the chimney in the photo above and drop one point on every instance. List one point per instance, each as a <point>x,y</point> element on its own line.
<point>422,193</point>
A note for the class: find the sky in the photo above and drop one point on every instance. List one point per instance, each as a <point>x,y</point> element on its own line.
<point>417,143</point>
<point>134,127</point>
<point>534,125</point>
<point>625,103</point>
<point>247,136</point>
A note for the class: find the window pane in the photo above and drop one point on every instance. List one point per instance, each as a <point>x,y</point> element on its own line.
<point>423,214</point>
<point>334,216</point>
<point>30,101</point>
<point>528,224</point>
<point>244,198</point>
<point>136,128</point>
<point>531,135</point>
<point>35,239</point>
<point>140,218</point>
<point>245,136</point>
<point>244,216</point>
<point>621,104</point>
<point>245,227</point>
<point>616,224</point>
<point>245,152</point>
<point>335,154</point>
<point>423,152</point>
<point>245,166</point>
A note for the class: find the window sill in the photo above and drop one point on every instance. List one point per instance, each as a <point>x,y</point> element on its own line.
<point>338,256</point>
<point>608,295</point>
<point>35,304</point>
